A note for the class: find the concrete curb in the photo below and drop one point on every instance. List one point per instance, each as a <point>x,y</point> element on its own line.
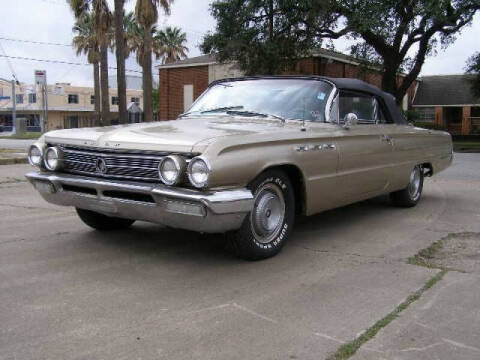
<point>15,160</point>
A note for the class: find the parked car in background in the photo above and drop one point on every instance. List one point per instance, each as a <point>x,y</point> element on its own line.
<point>248,157</point>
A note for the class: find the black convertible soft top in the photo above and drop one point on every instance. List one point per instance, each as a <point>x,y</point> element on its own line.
<point>341,84</point>
<point>362,86</point>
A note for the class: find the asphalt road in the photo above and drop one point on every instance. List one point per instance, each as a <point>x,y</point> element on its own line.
<point>67,292</point>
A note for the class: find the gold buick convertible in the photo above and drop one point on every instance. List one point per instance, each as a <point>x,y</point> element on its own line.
<point>248,157</point>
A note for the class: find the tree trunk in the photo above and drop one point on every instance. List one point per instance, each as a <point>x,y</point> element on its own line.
<point>147,76</point>
<point>104,85</point>
<point>389,82</point>
<point>96,92</point>
<point>120,53</point>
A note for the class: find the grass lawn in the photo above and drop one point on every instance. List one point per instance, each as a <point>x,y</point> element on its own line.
<point>466,146</point>
<point>26,136</point>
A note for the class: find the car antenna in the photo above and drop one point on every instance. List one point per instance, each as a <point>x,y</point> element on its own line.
<point>303,128</point>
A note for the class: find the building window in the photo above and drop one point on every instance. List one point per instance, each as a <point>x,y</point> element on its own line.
<point>92,99</point>
<point>135,100</point>
<point>425,114</point>
<point>73,98</point>
<point>19,98</point>
<point>32,98</point>
<point>114,100</point>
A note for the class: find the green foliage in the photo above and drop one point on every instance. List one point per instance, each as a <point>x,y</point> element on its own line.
<point>172,40</point>
<point>347,350</point>
<point>411,115</point>
<point>473,67</point>
<point>263,36</point>
<point>267,36</point>
<point>388,30</point>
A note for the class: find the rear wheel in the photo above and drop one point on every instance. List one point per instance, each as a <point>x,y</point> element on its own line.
<point>411,195</point>
<point>103,222</point>
<point>265,230</point>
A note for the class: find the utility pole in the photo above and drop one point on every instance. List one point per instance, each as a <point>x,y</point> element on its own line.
<point>14,107</point>
<point>45,108</point>
<point>13,82</point>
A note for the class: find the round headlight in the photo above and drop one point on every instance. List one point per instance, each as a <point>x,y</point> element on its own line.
<point>171,169</point>
<point>198,172</point>
<point>52,159</point>
<point>35,155</point>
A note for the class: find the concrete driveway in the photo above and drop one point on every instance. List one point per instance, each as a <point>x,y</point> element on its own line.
<point>67,292</point>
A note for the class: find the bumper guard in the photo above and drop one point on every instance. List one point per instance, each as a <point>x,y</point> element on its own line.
<point>202,211</point>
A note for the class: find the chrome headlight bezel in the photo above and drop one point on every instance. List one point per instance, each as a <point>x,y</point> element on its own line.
<point>199,185</point>
<point>58,158</point>
<point>180,166</point>
<point>40,160</point>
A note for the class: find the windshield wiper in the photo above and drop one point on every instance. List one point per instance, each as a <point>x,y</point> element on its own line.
<point>218,109</point>
<point>254,113</point>
<point>223,108</point>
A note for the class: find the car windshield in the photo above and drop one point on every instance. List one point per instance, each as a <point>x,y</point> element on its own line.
<point>283,98</point>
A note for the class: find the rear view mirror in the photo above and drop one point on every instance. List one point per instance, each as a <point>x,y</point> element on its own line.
<point>350,120</point>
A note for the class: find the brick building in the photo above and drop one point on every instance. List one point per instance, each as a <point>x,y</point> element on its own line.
<point>184,81</point>
<point>447,102</point>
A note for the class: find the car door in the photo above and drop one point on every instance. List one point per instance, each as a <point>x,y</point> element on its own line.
<point>364,168</point>
<point>410,147</point>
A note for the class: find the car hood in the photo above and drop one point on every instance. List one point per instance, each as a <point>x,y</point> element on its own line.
<point>173,136</point>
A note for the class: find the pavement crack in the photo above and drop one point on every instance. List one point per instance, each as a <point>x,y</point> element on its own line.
<point>338,253</point>
<point>460,345</point>
<point>347,350</point>
<point>243,308</point>
<point>421,348</point>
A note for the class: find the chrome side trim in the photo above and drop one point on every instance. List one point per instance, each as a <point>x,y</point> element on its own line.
<point>222,210</point>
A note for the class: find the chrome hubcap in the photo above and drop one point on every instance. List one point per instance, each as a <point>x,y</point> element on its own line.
<point>414,184</point>
<point>268,213</point>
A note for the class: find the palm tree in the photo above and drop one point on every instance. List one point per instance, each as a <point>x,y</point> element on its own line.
<point>102,20</point>
<point>85,42</point>
<point>135,35</point>
<point>120,54</point>
<point>146,13</point>
<point>173,44</point>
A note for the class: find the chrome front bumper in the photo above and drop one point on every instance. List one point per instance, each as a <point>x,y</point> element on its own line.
<point>203,211</point>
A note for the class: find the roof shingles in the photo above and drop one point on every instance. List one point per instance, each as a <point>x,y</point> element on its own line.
<point>445,90</point>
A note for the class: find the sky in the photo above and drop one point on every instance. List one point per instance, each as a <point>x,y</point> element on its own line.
<point>51,21</point>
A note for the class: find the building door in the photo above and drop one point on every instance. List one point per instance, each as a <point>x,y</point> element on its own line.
<point>187,96</point>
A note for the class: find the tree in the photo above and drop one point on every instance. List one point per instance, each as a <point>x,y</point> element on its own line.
<point>135,36</point>
<point>473,67</point>
<point>262,36</point>
<point>85,42</point>
<point>173,44</point>
<point>146,14</point>
<point>398,34</point>
<point>102,20</point>
<point>120,55</point>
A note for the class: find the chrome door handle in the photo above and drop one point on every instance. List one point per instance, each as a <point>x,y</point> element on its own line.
<point>387,139</point>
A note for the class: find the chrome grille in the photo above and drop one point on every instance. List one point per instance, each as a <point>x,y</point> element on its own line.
<point>119,164</point>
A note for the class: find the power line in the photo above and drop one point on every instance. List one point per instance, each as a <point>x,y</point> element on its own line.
<point>8,61</point>
<point>60,62</point>
<point>34,42</point>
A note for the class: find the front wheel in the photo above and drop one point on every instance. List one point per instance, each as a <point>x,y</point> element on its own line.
<point>411,195</point>
<point>103,222</point>
<point>265,230</point>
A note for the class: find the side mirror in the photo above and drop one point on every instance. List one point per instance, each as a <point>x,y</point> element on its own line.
<point>350,120</point>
